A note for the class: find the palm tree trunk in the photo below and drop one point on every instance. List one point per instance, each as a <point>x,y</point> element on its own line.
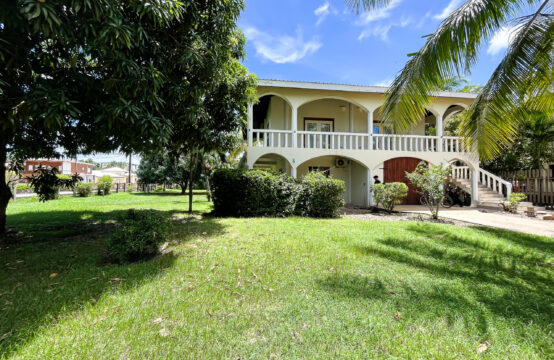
<point>208,187</point>
<point>5,192</point>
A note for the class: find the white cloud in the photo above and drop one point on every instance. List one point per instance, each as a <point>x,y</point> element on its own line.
<point>380,13</point>
<point>322,12</point>
<point>281,49</point>
<point>379,31</point>
<point>452,5</point>
<point>502,39</point>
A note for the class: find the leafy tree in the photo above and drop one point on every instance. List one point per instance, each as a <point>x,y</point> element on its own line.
<point>430,181</point>
<point>525,72</point>
<point>160,168</point>
<point>101,75</point>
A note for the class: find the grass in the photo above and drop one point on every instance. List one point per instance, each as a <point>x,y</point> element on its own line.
<point>271,288</point>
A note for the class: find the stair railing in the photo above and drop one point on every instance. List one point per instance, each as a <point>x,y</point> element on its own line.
<point>495,183</point>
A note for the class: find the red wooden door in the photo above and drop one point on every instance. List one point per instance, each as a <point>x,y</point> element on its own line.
<point>395,171</point>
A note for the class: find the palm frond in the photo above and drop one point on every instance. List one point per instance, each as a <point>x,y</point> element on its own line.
<point>450,52</point>
<point>366,5</point>
<point>521,82</point>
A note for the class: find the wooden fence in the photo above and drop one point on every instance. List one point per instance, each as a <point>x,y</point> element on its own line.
<point>538,185</point>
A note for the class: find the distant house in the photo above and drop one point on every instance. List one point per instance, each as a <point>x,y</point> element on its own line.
<point>119,175</point>
<point>64,166</point>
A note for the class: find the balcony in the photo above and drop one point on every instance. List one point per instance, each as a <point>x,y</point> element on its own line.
<point>287,139</point>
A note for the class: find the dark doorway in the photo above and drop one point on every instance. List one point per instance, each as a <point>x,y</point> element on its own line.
<point>395,171</point>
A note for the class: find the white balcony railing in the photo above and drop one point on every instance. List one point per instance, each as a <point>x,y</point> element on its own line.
<point>358,141</point>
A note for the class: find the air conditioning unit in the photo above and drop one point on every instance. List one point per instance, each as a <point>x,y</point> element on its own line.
<point>340,163</point>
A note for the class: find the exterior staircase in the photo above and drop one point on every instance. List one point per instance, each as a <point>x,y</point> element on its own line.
<point>491,188</point>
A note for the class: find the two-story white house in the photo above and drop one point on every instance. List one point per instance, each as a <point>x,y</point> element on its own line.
<point>298,127</point>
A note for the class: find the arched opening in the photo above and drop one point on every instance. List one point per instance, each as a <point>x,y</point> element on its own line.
<point>450,120</point>
<point>427,125</point>
<point>353,173</point>
<point>273,162</point>
<point>394,170</point>
<point>272,112</point>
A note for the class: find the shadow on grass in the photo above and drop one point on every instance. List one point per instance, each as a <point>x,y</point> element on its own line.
<point>504,273</point>
<point>31,298</point>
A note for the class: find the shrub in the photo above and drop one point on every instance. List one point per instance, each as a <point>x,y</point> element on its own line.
<point>84,189</point>
<point>390,194</point>
<point>159,188</point>
<point>22,187</point>
<point>320,196</point>
<point>47,183</point>
<point>105,185</point>
<point>239,192</point>
<point>513,201</point>
<point>430,181</point>
<point>139,235</point>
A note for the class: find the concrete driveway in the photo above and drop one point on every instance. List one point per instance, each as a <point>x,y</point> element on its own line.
<point>497,219</point>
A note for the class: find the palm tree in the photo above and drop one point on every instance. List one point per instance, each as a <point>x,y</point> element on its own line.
<point>523,76</point>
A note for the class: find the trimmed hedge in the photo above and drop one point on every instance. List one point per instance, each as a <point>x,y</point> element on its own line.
<point>238,192</point>
<point>321,196</point>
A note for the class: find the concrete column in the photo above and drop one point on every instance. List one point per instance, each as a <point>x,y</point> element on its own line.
<point>475,187</point>
<point>294,127</point>
<point>293,172</point>
<point>350,118</point>
<point>349,182</point>
<point>439,132</point>
<point>286,123</point>
<point>369,183</point>
<point>250,122</point>
<point>370,129</point>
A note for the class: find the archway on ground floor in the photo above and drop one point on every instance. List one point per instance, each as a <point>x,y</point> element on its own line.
<point>354,174</point>
<point>273,162</point>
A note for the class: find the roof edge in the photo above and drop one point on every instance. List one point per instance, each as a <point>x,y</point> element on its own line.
<point>352,88</point>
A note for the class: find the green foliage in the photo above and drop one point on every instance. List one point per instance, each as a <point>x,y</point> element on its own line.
<point>389,194</point>
<point>133,76</point>
<point>430,181</point>
<point>22,187</point>
<point>139,235</point>
<point>105,185</point>
<point>47,183</point>
<point>84,189</point>
<point>320,196</point>
<point>159,188</point>
<point>532,148</point>
<point>513,202</point>
<point>238,192</point>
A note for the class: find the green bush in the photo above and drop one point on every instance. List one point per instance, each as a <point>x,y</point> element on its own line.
<point>159,188</point>
<point>105,185</point>
<point>513,201</point>
<point>390,194</point>
<point>22,187</point>
<point>139,236</point>
<point>320,196</point>
<point>239,192</point>
<point>84,189</point>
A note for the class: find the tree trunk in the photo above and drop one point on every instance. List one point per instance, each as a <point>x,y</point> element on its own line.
<point>184,188</point>
<point>208,188</point>
<point>191,181</point>
<point>5,192</point>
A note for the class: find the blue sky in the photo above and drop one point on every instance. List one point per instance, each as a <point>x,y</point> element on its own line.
<point>321,40</point>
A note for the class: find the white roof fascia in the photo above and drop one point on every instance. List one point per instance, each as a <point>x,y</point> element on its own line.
<point>352,88</point>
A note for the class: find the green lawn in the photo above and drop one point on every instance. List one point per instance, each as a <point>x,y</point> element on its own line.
<point>270,288</point>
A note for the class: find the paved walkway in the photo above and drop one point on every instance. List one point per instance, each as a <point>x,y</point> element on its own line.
<point>490,218</point>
